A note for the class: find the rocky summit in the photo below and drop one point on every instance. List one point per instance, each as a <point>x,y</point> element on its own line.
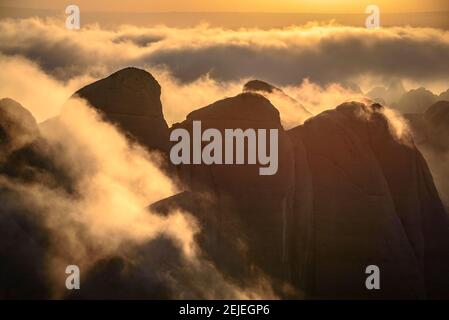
<point>130,98</point>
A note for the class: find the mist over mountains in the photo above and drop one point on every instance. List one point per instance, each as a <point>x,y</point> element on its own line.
<point>322,53</point>
<point>85,176</point>
<point>352,190</point>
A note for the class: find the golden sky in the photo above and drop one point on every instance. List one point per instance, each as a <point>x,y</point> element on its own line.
<point>306,6</point>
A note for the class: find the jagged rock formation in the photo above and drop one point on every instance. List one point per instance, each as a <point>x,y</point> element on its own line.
<point>374,202</point>
<point>130,98</point>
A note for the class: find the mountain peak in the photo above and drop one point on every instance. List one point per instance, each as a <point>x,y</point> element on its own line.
<point>134,76</point>
<point>416,101</point>
<point>130,98</point>
<point>244,106</point>
<point>260,86</point>
<point>128,91</point>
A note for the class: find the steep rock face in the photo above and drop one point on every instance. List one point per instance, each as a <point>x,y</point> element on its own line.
<point>374,202</point>
<point>300,222</point>
<point>130,98</point>
<point>255,206</point>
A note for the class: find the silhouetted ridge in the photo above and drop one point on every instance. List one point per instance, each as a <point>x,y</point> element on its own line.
<point>258,85</point>
<point>416,101</point>
<point>245,106</point>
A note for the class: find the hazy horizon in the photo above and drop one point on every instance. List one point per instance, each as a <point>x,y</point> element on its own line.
<point>234,20</point>
<point>288,6</point>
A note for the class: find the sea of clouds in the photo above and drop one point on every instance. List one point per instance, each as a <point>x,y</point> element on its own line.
<point>42,64</point>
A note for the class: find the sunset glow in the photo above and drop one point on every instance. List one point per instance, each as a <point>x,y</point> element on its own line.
<point>303,6</point>
<point>224,150</point>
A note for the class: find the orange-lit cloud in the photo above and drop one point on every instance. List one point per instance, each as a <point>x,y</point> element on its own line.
<point>323,54</point>
<point>322,6</point>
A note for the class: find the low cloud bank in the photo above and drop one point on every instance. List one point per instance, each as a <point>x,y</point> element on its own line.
<point>323,53</point>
